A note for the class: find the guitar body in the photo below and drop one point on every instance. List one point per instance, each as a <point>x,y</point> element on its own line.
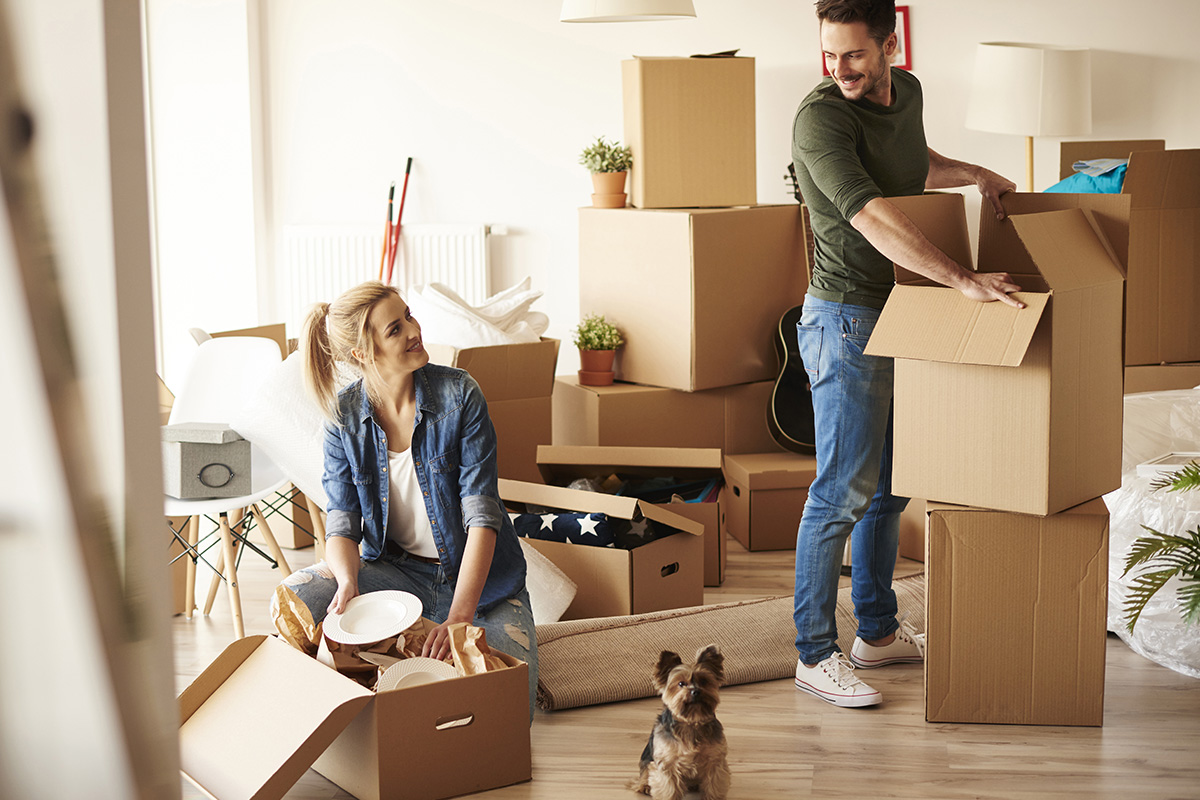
<point>790,415</point>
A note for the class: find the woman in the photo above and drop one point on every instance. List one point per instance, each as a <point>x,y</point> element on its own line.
<point>410,473</point>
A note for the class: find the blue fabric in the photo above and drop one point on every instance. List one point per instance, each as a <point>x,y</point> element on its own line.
<point>851,495</point>
<point>594,530</point>
<point>454,453</point>
<point>1082,183</point>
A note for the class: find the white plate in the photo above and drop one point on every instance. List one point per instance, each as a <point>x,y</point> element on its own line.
<point>414,671</point>
<point>373,617</point>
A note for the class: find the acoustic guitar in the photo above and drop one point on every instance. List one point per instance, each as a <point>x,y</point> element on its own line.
<point>790,413</point>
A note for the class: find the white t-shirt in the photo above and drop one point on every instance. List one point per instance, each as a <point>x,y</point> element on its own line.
<point>408,523</point>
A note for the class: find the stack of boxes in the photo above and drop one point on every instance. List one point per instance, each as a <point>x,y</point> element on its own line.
<point>1009,422</point>
<point>696,276</point>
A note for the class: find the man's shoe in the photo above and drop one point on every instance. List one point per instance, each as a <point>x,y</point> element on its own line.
<point>833,681</point>
<point>907,648</point>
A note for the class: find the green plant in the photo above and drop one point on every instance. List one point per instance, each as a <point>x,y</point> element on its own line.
<point>603,156</point>
<point>1166,556</point>
<point>594,332</point>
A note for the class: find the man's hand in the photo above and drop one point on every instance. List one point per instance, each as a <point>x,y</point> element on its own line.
<point>991,186</point>
<point>988,286</point>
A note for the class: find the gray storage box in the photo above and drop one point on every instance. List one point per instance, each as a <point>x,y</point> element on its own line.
<point>204,460</point>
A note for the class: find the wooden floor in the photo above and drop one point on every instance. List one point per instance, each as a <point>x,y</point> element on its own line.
<point>783,744</point>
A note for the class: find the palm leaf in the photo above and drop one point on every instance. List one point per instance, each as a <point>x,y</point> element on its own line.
<point>1181,480</point>
<point>1158,544</point>
<point>1189,596</point>
<point>1144,587</point>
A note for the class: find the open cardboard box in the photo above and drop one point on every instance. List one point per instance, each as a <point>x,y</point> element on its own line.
<point>1016,615</point>
<point>263,712</point>
<point>517,381</point>
<point>662,574</point>
<point>995,407</point>
<point>562,464</point>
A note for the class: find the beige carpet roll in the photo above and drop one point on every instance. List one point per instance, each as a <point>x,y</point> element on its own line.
<point>605,660</point>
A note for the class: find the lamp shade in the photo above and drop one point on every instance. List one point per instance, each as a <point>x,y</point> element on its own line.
<point>625,10</point>
<point>1031,90</point>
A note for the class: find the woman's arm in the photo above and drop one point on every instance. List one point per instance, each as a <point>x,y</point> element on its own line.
<point>476,563</point>
<point>342,555</point>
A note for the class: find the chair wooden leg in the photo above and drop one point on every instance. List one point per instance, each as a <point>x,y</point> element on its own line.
<point>318,524</point>
<point>230,570</point>
<point>269,538</point>
<point>189,591</point>
<point>215,583</point>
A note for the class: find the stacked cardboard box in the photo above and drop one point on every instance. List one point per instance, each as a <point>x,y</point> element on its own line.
<point>1010,422</point>
<point>696,276</point>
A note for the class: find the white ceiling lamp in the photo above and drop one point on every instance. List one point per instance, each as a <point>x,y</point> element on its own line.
<point>625,10</point>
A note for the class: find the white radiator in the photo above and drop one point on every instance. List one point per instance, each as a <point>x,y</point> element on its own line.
<point>320,262</point>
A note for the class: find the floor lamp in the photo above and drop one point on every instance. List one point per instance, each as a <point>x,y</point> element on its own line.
<point>1031,90</point>
<point>625,10</point>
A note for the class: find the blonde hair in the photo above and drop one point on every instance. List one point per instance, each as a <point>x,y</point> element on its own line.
<point>332,332</point>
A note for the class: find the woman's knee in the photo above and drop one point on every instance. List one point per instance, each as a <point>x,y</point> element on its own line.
<point>315,586</point>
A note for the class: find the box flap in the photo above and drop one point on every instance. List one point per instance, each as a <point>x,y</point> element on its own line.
<point>1070,152</point>
<point>255,720</point>
<point>505,371</point>
<point>1166,179</point>
<point>942,218</point>
<point>761,471</point>
<point>561,464</point>
<point>1068,248</point>
<point>936,323</point>
<point>594,503</point>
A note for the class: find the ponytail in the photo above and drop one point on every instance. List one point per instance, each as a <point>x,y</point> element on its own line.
<point>318,361</point>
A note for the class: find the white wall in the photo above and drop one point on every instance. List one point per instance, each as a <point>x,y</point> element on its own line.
<point>494,100</point>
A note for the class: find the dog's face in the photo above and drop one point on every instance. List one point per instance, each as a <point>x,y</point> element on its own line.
<point>691,692</point>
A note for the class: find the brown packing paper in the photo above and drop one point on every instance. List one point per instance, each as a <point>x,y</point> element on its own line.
<point>294,621</point>
<point>470,651</point>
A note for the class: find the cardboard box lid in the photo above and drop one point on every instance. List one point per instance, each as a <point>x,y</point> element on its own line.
<point>936,323</point>
<point>758,471</point>
<point>563,463</point>
<point>505,371</point>
<point>258,716</point>
<point>594,503</point>
<point>200,432</point>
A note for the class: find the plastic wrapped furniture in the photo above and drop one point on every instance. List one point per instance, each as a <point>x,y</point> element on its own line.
<point>1156,423</point>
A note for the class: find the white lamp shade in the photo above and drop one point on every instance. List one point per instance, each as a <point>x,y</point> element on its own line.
<point>625,10</point>
<point>1031,90</point>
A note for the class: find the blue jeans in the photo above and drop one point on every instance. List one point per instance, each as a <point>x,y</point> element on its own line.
<point>852,406</point>
<point>509,623</point>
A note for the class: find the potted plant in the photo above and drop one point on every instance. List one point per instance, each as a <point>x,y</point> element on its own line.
<point>1166,556</point>
<point>609,163</point>
<point>597,340</point>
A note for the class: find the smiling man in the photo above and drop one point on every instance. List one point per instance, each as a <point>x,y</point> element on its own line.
<point>858,139</point>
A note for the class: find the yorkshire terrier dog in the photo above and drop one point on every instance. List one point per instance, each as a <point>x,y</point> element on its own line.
<point>686,750</point>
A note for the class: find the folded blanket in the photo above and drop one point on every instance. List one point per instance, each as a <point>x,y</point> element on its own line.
<point>596,530</point>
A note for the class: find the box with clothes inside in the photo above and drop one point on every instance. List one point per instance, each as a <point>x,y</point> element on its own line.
<point>625,555</point>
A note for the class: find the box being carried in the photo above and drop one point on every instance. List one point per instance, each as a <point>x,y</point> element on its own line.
<point>203,460</point>
<point>1017,410</point>
<point>690,125</point>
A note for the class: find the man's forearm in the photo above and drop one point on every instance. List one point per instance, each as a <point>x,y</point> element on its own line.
<point>946,173</point>
<point>894,235</point>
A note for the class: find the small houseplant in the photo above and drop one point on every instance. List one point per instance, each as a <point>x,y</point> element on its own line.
<point>609,163</point>
<point>1166,556</point>
<point>597,340</point>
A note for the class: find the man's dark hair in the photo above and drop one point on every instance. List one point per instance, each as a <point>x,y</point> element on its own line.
<point>879,15</point>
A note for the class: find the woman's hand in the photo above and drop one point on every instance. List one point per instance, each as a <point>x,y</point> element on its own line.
<point>437,643</point>
<point>344,594</point>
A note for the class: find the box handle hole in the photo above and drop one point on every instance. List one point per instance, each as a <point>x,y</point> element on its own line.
<point>445,723</point>
<point>737,492</point>
<point>670,569</point>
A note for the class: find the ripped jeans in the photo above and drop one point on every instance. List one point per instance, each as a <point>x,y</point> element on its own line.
<point>509,624</point>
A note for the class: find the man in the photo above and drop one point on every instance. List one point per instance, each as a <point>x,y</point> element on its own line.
<point>858,138</point>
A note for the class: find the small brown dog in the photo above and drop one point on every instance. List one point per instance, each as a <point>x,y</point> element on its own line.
<point>686,750</point>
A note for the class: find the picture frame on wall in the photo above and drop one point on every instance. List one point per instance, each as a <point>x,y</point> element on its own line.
<point>903,58</point>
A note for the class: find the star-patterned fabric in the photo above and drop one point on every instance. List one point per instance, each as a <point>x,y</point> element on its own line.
<point>596,530</point>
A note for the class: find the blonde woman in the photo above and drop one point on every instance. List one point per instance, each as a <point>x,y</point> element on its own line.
<point>410,472</point>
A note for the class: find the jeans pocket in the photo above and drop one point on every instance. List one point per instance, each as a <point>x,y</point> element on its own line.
<point>809,338</point>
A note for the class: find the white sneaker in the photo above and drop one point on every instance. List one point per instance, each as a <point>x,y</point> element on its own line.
<point>833,681</point>
<point>907,648</point>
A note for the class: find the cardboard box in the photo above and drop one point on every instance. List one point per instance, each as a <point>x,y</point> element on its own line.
<point>560,465</point>
<point>764,497</point>
<point>1161,378</point>
<point>666,573</point>
<point>697,294</point>
<point>1163,282</point>
<point>1015,616</point>
<point>275,331</point>
<point>517,381</point>
<point>732,418</point>
<point>1043,382</point>
<point>263,712</point>
<point>689,123</point>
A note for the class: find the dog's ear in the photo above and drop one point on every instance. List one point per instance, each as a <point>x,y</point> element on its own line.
<point>667,661</point>
<point>710,658</point>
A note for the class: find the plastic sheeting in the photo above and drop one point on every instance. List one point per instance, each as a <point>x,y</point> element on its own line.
<point>1156,423</point>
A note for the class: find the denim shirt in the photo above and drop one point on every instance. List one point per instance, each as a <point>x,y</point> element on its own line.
<point>454,453</point>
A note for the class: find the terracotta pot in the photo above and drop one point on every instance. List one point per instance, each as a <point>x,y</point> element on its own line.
<point>610,189</point>
<point>608,200</point>
<point>596,367</point>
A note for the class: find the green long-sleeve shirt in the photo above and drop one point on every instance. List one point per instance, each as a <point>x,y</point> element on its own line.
<point>847,153</point>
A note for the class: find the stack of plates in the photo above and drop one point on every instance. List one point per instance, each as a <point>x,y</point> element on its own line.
<point>373,617</point>
<point>414,672</point>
